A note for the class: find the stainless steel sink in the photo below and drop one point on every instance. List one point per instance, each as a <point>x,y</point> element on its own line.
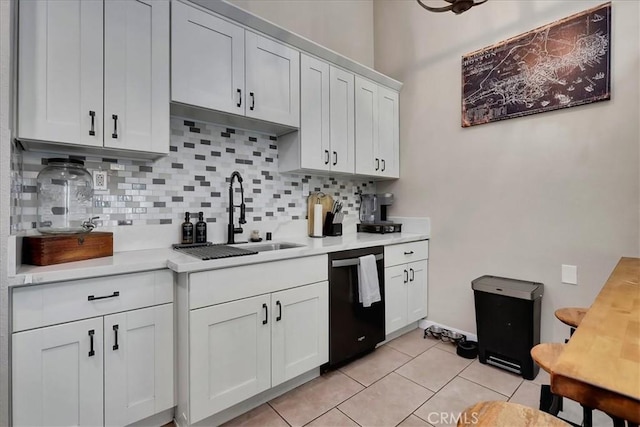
<point>273,246</point>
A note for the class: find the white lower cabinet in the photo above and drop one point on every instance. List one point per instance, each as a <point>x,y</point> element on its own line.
<point>405,284</point>
<point>56,378</point>
<point>244,347</point>
<point>243,330</point>
<point>112,369</point>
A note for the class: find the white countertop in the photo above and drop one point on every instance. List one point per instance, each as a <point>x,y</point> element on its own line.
<point>154,259</point>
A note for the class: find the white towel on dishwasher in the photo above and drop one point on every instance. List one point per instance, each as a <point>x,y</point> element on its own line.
<point>368,285</point>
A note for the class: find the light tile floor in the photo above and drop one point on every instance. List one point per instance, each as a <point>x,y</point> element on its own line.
<point>410,381</point>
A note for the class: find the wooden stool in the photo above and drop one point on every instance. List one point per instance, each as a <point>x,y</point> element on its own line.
<point>546,355</point>
<point>571,316</point>
<point>507,414</point>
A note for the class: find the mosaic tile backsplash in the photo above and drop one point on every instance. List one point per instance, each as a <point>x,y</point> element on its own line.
<point>193,177</point>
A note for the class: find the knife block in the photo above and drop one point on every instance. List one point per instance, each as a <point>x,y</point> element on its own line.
<point>59,248</point>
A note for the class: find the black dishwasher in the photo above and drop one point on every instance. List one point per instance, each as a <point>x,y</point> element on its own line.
<point>353,329</point>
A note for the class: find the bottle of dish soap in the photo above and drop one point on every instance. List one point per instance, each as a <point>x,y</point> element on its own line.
<point>187,230</point>
<point>201,229</point>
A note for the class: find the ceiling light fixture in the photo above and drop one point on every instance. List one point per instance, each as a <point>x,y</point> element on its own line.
<point>457,6</point>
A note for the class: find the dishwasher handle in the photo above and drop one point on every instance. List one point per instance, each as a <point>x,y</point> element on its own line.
<point>351,261</point>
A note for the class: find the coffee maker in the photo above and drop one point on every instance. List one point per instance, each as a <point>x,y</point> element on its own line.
<point>373,214</point>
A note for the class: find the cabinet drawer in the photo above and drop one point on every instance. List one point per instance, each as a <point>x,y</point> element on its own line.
<point>405,252</point>
<point>37,306</point>
<point>228,284</point>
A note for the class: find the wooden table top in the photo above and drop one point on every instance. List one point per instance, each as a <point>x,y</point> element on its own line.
<point>600,366</point>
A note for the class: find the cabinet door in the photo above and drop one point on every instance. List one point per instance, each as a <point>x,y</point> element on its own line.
<point>300,330</point>
<point>314,113</point>
<point>417,291</point>
<point>366,123</point>
<point>136,75</point>
<point>272,81</point>
<point>138,364</point>
<point>342,119</point>
<point>207,60</point>
<point>395,293</point>
<point>56,379</point>
<point>230,354</point>
<point>388,132</point>
<point>60,71</point>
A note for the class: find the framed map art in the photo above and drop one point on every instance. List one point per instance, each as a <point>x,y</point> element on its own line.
<point>560,65</point>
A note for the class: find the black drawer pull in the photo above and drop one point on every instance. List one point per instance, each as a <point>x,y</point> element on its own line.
<point>335,158</point>
<point>114,135</point>
<point>113,295</point>
<point>91,352</point>
<point>253,101</point>
<point>408,252</point>
<point>412,275</point>
<point>384,165</point>
<point>92,132</point>
<point>239,104</point>
<point>326,157</point>
<point>266,314</point>
<point>115,331</point>
<point>377,164</point>
<point>279,318</point>
<point>406,276</point>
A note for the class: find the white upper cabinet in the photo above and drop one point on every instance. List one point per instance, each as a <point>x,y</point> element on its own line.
<point>64,82</point>
<point>60,93</point>
<point>325,141</point>
<point>207,60</point>
<point>377,130</point>
<point>221,66</point>
<point>315,148</point>
<point>136,75</point>
<point>342,119</point>
<point>272,81</point>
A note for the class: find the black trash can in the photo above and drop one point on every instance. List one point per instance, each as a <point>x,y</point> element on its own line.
<point>508,322</point>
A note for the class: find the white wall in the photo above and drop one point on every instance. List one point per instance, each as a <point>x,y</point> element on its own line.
<point>520,197</point>
<point>345,26</point>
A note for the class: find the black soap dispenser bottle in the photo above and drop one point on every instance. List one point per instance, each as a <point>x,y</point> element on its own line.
<point>187,230</point>
<point>201,229</point>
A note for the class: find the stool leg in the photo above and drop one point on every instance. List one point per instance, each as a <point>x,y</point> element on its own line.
<point>587,420</point>
<point>549,402</point>
<point>617,422</point>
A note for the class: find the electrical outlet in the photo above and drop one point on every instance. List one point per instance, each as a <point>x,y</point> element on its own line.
<point>99,180</point>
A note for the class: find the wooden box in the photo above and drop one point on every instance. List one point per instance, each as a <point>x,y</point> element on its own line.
<point>58,248</point>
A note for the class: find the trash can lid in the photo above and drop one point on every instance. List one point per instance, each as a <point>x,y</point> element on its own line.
<point>514,288</point>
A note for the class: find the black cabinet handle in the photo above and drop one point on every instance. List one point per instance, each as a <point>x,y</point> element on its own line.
<point>115,331</point>
<point>335,158</point>
<point>279,318</point>
<point>253,100</point>
<point>408,252</point>
<point>113,295</point>
<point>239,104</point>
<point>377,164</point>
<point>384,165</point>
<point>406,276</point>
<point>412,275</point>
<point>326,157</point>
<point>92,132</point>
<point>91,352</point>
<point>266,314</point>
<point>114,135</point>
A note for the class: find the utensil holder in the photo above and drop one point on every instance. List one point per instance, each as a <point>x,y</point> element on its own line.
<point>329,228</point>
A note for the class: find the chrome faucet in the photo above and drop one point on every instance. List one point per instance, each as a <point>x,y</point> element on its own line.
<point>231,229</point>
